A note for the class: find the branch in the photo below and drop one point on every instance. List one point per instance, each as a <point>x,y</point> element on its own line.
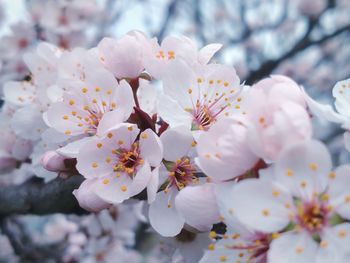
<point>167,18</point>
<point>36,197</point>
<point>269,66</point>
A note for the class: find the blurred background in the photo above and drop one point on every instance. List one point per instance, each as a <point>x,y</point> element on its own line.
<point>307,40</point>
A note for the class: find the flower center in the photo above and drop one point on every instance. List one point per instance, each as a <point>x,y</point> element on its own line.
<point>254,248</point>
<point>204,114</point>
<point>181,173</point>
<point>128,160</point>
<point>312,216</point>
<point>203,117</point>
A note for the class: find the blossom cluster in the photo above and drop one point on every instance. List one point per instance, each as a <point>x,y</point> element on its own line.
<point>63,23</point>
<point>163,122</point>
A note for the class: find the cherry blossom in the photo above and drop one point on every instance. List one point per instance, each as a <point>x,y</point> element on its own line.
<point>198,98</point>
<point>175,203</point>
<point>124,57</point>
<point>223,151</point>
<point>157,56</point>
<point>91,109</point>
<point>121,162</point>
<point>277,116</point>
<point>306,196</point>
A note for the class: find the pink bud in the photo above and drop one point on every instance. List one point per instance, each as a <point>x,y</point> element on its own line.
<point>54,162</point>
<point>88,199</point>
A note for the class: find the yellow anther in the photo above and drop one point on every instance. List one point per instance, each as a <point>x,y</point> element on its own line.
<point>71,102</point>
<point>313,166</point>
<point>332,175</point>
<point>275,193</point>
<point>84,90</point>
<point>67,132</point>
<point>225,84</point>
<point>289,172</point>
<point>211,247</point>
<point>144,136</point>
<point>212,234</point>
<point>325,197</point>
<point>303,184</point>
<point>105,181</point>
<point>199,80</point>
<point>86,107</point>
<point>108,159</point>
<point>109,92</point>
<point>235,236</point>
<point>94,165</point>
<point>299,250</point>
<point>189,91</point>
<point>342,233</point>
<point>97,89</point>
<point>123,188</point>
<point>324,244</point>
<point>94,100</point>
<point>65,117</point>
<point>275,235</point>
<point>223,258</point>
<point>99,145</point>
<point>265,212</point>
<point>130,128</point>
<point>109,135</point>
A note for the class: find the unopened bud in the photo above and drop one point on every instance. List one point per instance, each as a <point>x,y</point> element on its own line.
<point>54,162</point>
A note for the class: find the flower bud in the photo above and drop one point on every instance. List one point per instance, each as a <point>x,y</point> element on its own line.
<point>54,162</point>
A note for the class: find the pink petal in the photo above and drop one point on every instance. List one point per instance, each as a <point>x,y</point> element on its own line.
<point>88,199</point>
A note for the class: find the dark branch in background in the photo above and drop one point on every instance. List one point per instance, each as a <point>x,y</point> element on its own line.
<point>167,19</point>
<point>198,17</point>
<point>305,42</point>
<point>23,245</point>
<point>36,197</point>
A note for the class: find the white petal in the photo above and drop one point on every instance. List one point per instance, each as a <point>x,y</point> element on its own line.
<point>153,185</point>
<point>322,111</point>
<point>113,189</point>
<point>176,142</point>
<point>334,246</point>
<point>88,199</point>
<point>71,150</point>
<point>303,168</point>
<point>260,205</point>
<point>141,179</point>
<point>172,113</point>
<point>292,248</point>
<point>197,204</point>
<point>109,121</point>
<point>21,149</point>
<point>222,253</point>
<point>341,93</point>
<point>27,122</point>
<point>207,52</point>
<point>339,191</point>
<point>151,147</point>
<point>163,215</point>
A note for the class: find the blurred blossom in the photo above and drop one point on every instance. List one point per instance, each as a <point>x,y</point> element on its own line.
<point>182,158</point>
